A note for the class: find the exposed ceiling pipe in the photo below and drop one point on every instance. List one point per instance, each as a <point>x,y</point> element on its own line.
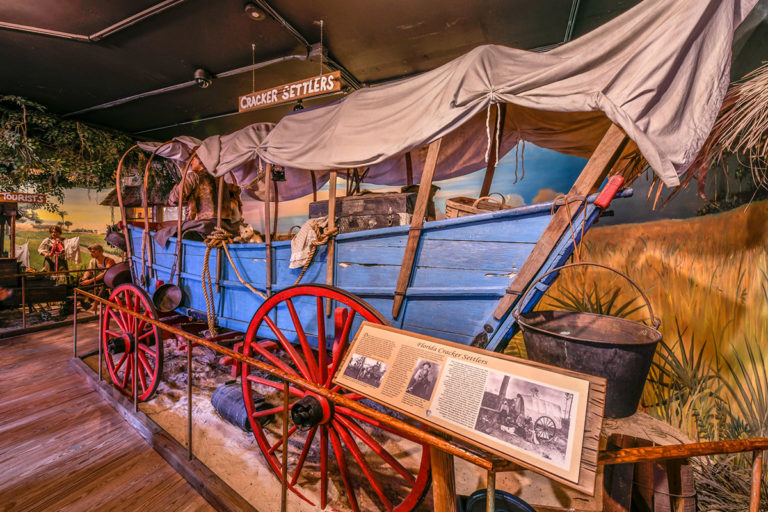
<point>101,34</point>
<point>183,85</point>
<point>571,21</point>
<point>348,77</point>
<point>227,114</point>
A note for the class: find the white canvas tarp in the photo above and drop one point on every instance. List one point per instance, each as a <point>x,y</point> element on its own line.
<point>659,71</point>
<point>235,156</point>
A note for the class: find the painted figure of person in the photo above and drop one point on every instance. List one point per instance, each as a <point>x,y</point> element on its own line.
<point>201,193</point>
<point>421,382</point>
<point>97,268</point>
<point>52,249</point>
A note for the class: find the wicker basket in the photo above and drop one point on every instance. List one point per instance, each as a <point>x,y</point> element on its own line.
<point>461,206</point>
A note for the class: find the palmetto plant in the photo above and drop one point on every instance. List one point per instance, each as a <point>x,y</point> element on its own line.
<point>745,377</point>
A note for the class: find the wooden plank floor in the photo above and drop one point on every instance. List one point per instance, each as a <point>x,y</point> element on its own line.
<point>63,448</point>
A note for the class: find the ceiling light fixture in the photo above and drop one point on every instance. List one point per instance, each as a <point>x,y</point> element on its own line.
<point>254,12</point>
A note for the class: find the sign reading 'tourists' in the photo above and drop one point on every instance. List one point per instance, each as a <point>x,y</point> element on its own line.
<point>22,197</point>
<point>315,86</point>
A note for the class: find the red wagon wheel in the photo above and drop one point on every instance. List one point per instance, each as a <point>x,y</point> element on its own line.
<point>369,474</point>
<point>120,341</point>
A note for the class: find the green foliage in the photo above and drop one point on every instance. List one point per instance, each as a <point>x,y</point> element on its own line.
<point>42,153</point>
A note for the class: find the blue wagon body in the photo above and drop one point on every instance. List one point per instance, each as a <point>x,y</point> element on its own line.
<point>462,269</point>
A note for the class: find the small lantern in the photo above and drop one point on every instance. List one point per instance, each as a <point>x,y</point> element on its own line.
<point>278,173</point>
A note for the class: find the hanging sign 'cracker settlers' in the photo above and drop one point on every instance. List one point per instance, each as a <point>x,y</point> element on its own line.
<point>314,86</point>
<point>539,416</point>
<point>22,197</point>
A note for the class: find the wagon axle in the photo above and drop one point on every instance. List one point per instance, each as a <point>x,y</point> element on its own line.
<point>124,343</point>
<point>310,411</point>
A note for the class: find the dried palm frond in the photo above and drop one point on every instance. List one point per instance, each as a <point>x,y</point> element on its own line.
<point>724,485</point>
<point>741,129</point>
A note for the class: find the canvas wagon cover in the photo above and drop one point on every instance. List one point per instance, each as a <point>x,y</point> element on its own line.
<point>660,71</point>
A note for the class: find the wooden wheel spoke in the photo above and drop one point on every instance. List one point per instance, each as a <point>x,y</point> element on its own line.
<point>339,453</point>
<point>145,364</point>
<point>276,385</point>
<point>339,344</point>
<point>128,371</point>
<point>279,442</point>
<point>147,334</point>
<point>374,423</point>
<point>272,358</point>
<point>267,412</point>
<point>116,335</point>
<point>351,445</point>
<point>322,363</point>
<point>118,321</point>
<point>303,456</point>
<point>309,357</point>
<point>377,448</point>
<point>295,357</point>
<point>144,348</point>
<point>121,361</point>
<point>142,378</point>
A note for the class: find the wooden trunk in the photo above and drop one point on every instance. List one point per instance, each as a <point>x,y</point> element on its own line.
<point>368,211</point>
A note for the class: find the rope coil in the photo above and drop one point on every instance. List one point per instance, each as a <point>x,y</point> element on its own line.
<point>219,239</point>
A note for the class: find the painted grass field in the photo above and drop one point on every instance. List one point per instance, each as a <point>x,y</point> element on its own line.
<point>37,236</point>
<point>707,280</point>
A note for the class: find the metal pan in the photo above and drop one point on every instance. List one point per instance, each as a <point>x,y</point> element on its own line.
<point>117,274</point>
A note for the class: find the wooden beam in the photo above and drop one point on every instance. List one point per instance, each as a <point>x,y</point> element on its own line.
<point>496,134</point>
<point>408,169</point>
<point>331,247</point>
<point>602,161</point>
<point>443,480</point>
<point>425,186</point>
<point>267,227</point>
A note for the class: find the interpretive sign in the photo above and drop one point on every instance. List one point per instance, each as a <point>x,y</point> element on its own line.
<point>314,86</point>
<point>22,197</point>
<point>541,417</point>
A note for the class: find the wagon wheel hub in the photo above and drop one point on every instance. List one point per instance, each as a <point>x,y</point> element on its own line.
<point>121,344</point>
<point>311,410</point>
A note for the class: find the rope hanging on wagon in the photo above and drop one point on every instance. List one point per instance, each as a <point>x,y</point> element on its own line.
<point>323,236</point>
<point>219,239</point>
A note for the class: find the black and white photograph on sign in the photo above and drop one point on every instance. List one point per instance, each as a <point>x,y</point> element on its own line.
<point>366,370</point>
<point>423,379</point>
<point>527,415</point>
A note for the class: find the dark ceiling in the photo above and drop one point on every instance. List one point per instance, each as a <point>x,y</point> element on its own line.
<point>81,66</point>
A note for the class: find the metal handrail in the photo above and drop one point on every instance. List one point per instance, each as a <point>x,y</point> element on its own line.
<point>491,463</point>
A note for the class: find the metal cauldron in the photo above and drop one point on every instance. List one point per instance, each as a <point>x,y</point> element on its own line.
<point>167,297</point>
<point>617,349</point>
<point>117,274</point>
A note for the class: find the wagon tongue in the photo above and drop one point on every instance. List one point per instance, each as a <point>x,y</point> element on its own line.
<point>311,410</point>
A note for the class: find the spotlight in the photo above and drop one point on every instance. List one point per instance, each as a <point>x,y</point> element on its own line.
<point>254,12</point>
<point>203,78</point>
<point>299,106</point>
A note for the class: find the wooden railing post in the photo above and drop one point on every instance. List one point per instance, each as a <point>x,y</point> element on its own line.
<point>757,480</point>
